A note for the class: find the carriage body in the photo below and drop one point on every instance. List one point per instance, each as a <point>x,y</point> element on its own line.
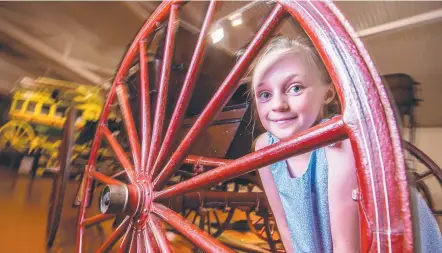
<point>37,115</point>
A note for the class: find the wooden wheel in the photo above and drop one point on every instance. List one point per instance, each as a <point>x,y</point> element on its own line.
<point>61,177</point>
<point>432,170</point>
<point>17,135</point>
<point>367,120</point>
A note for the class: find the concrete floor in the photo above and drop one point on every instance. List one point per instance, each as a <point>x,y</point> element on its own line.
<point>23,214</point>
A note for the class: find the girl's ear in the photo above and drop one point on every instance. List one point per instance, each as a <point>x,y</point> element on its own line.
<point>330,94</point>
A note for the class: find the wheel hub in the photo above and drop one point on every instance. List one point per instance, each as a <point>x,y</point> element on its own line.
<point>133,199</point>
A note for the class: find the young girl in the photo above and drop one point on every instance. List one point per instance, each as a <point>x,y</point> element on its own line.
<point>314,209</point>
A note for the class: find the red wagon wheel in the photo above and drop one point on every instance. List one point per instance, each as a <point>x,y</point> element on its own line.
<point>367,120</point>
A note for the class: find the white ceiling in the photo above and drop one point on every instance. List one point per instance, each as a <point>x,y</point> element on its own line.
<point>84,41</point>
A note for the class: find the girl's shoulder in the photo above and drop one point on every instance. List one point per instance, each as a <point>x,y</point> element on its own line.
<point>261,141</point>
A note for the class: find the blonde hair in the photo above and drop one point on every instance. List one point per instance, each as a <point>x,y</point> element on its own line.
<point>282,44</point>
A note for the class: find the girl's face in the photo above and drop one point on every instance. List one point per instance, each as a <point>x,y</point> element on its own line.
<point>289,93</point>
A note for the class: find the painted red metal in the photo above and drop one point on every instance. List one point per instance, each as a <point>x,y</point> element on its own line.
<point>130,125</point>
<point>221,97</point>
<point>160,110</point>
<point>190,231</point>
<point>320,135</point>
<point>126,240</point>
<point>97,219</point>
<point>206,161</point>
<point>160,235</point>
<point>186,91</point>
<point>114,237</point>
<point>146,128</point>
<point>103,178</point>
<point>119,152</point>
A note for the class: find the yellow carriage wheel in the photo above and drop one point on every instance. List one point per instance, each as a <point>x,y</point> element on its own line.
<point>17,135</point>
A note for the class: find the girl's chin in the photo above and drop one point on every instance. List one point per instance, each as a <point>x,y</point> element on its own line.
<point>284,133</point>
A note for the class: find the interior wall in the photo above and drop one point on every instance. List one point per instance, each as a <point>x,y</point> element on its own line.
<point>429,140</point>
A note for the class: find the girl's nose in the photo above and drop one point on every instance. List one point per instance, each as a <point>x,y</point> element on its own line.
<point>279,103</point>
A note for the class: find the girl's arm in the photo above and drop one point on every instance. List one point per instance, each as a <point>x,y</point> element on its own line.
<point>273,198</point>
<point>342,181</point>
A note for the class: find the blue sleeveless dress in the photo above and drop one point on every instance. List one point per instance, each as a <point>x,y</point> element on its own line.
<point>305,202</point>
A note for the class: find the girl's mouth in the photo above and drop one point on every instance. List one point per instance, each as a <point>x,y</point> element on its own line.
<point>283,120</point>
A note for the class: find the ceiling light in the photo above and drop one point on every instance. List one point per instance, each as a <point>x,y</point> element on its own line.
<point>217,35</point>
<point>236,19</point>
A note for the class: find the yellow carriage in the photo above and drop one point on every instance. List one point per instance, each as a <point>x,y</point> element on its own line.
<point>38,113</point>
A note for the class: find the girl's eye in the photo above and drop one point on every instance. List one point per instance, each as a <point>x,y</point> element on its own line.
<point>264,96</point>
<point>295,89</point>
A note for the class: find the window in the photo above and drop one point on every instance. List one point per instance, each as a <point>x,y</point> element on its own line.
<point>45,108</point>
<point>19,105</point>
<point>31,106</point>
<point>79,115</point>
<point>60,111</point>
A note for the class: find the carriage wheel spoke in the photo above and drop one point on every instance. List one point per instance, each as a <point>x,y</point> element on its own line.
<point>187,90</point>
<point>126,240</point>
<point>145,107</point>
<point>130,125</point>
<point>190,231</point>
<point>161,104</point>
<point>257,221</point>
<point>104,179</point>
<point>114,237</point>
<point>97,219</point>
<point>322,134</point>
<point>423,176</point>
<point>160,235</point>
<point>221,97</point>
<point>206,161</point>
<point>119,152</point>
<point>217,219</point>
<point>145,243</point>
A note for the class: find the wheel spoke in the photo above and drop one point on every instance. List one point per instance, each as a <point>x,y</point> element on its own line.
<point>161,104</point>
<point>126,240</point>
<point>104,179</point>
<point>323,134</point>
<point>114,237</point>
<point>145,244</point>
<point>130,125</point>
<point>187,90</point>
<point>206,161</point>
<point>221,96</point>
<point>119,152</point>
<point>423,176</point>
<point>190,231</point>
<point>145,107</point>
<point>160,236</point>
<point>97,219</point>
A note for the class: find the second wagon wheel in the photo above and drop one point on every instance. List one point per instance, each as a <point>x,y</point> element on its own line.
<point>61,177</point>
<point>367,120</point>
<point>432,170</point>
<point>16,134</point>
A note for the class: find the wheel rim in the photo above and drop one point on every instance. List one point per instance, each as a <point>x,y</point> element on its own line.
<point>16,134</point>
<point>61,178</point>
<point>371,129</point>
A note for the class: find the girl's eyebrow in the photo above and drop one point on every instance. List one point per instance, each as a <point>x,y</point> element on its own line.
<point>286,80</point>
